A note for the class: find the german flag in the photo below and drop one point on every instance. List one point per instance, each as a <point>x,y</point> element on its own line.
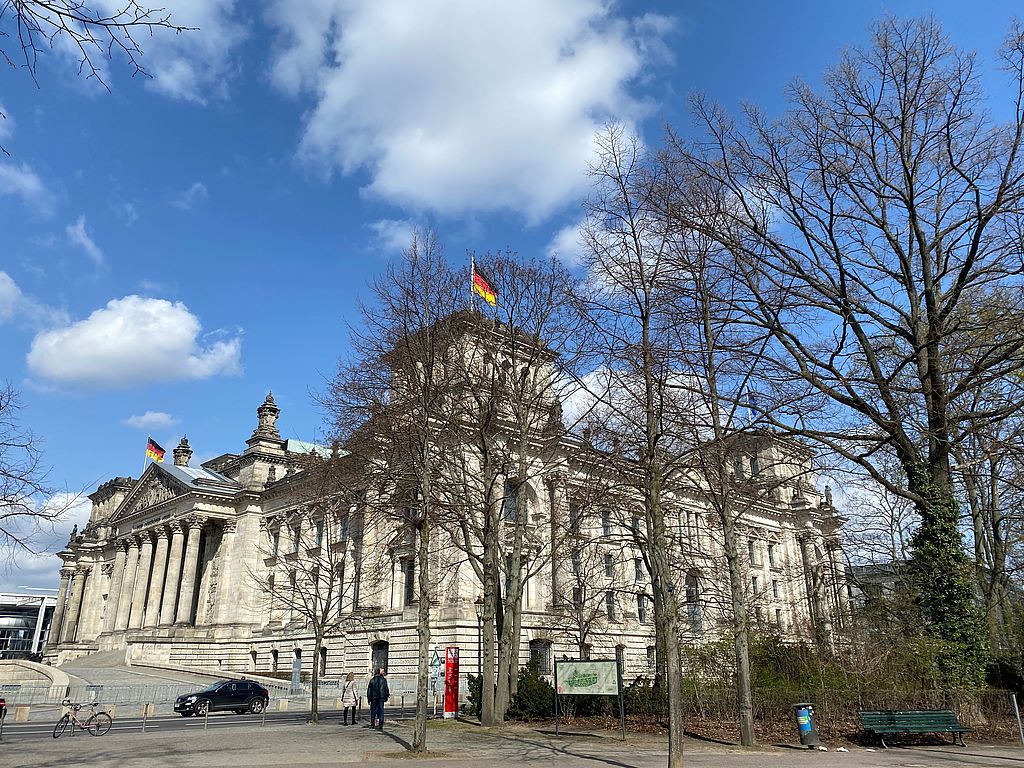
<point>154,451</point>
<point>482,286</point>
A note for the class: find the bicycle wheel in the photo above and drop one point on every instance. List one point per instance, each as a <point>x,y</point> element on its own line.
<point>99,723</point>
<point>58,729</point>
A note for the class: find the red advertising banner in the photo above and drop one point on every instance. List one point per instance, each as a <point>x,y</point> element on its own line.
<point>451,681</point>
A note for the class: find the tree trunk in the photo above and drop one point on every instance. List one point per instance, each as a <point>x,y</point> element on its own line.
<point>740,632</point>
<point>314,699</point>
<point>419,736</point>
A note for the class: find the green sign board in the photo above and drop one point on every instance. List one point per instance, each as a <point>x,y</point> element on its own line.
<point>584,678</point>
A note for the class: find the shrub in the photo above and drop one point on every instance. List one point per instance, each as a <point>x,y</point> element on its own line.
<point>535,698</point>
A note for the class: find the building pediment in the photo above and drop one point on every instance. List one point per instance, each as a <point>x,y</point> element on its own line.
<point>154,488</point>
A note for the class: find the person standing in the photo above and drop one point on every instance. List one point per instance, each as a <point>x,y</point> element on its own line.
<point>349,699</point>
<point>377,693</point>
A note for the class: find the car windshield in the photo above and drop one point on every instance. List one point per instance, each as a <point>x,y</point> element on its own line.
<point>214,687</point>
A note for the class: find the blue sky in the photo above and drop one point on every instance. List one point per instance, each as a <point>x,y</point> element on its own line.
<point>173,249</point>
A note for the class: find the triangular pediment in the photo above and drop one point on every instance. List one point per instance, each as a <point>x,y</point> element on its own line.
<point>154,487</point>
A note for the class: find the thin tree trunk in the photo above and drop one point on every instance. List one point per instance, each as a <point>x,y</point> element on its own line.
<point>419,736</point>
<point>314,699</point>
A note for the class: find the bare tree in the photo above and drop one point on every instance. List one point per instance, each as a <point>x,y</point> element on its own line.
<point>388,408</point>
<point>28,506</point>
<point>869,217</point>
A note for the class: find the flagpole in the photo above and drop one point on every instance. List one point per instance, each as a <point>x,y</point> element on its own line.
<point>144,456</point>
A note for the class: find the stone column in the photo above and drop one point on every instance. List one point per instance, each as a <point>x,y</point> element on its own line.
<point>556,496</point>
<point>141,582</point>
<point>156,584</point>
<point>117,579</point>
<point>189,572</point>
<point>59,609</point>
<point>172,581</point>
<point>124,599</point>
<point>67,635</point>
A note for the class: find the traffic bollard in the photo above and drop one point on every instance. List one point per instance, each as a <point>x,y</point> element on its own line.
<point>206,718</point>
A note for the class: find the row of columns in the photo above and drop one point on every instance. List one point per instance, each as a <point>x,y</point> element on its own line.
<point>152,582</point>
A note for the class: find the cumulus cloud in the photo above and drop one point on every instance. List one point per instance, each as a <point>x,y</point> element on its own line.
<point>188,198</point>
<point>21,181</point>
<point>459,105</point>
<point>567,244</point>
<point>79,235</point>
<point>132,341</point>
<point>40,568</point>
<point>151,420</point>
<point>393,235</point>
<point>16,306</point>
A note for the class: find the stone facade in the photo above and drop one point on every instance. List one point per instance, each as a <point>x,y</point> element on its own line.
<point>177,567</point>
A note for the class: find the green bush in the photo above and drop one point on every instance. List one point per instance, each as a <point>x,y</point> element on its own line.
<point>535,698</point>
<point>476,684</point>
<point>644,697</point>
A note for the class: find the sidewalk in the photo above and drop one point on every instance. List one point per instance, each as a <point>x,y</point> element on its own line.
<point>460,744</point>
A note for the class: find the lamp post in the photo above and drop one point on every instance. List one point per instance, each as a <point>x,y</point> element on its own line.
<point>478,605</point>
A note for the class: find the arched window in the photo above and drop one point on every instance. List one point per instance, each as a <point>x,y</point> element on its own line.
<point>323,661</point>
<point>540,652</point>
<point>273,660</point>
<point>379,655</point>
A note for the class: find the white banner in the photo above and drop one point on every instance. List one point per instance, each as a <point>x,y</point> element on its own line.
<point>578,678</point>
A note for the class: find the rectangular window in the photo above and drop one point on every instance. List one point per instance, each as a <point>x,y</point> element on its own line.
<point>638,564</point>
<point>771,555</point>
<point>652,658</point>
<point>775,588</point>
<point>577,597</point>
<point>641,608</point>
<point>540,650</point>
<point>755,466</point>
<point>296,535</point>
<point>275,542</point>
<point>754,584</point>
<point>737,464</point>
<point>575,563</point>
<point>319,533</point>
<point>635,525</point>
<point>609,605</point>
<point>409,566</point>
<point>585,650</point>
<point>574,516</point>
<point>343,530</point>
<point>341,586</point>
<point>751,552</point>
<point>609,566</point>
<point>620,658</point>
<point>778,618</point>
<point>606,523</point>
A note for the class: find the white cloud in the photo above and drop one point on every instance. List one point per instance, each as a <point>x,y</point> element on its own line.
<point>132,341</point>
<point>79,235</point>
<point>16,306</point>
<point>393,235</point>
<point>567,244</point>
<point>187,199</point>
<point>23,182</point>
<point>460,105</point>
<point>40,568</point>
<point>151,420</point>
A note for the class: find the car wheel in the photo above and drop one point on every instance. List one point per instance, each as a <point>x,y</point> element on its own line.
<point>257,705</point>
<point>201,708</point>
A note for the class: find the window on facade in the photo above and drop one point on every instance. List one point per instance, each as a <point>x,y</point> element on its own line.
<point>575,515</point>
<point>609,605</point>
<point>343,530</point>
<point>620,658</point>
<point>341,585</point>
<point>575,563</point>
<point>771,555</point>
<point>379,655</point>
<point>609,565</point>
<point>693,608</point>
<point>585,651</point>
<point>775,588</point>
<point>638,565</point>
<point>275,542</point>
<point>323,661</point>
<point>778,618</point>
<point>751,552</point>
<point>755,466</point>
<point>635,525</point>
<point>738,467</point>
<point>320,533</point>
<point>577,597</point>
<point>409,567</point>
<point>273,660</point>
<point>641,608</point>
<point>754,584</point>
<point>508,504</point>
<point>606,522</point>
<point>540,653</point>
<point>296,531</point>
<point>652,658</point>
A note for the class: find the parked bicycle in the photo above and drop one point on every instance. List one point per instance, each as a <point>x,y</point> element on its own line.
<point>98,723</point>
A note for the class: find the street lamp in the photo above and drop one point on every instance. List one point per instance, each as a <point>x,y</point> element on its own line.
<point>478,605</point>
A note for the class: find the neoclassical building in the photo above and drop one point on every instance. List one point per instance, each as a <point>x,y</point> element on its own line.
<point>178,566</point>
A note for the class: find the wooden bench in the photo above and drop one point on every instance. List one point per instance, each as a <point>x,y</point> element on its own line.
<point>890,721</point>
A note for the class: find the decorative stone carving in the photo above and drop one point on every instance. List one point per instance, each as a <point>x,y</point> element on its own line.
<point>107,568</point>
<point>229,526</point>
<point>268,413</point>
<point>183,453</point>
<point>157,490</point>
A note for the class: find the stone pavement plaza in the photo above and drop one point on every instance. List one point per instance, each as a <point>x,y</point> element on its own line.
<point>461,744</point>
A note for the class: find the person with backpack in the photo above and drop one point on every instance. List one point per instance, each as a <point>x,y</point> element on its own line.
<point>377,693</point>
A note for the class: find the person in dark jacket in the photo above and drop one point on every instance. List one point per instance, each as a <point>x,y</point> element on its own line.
<point>377,693</point>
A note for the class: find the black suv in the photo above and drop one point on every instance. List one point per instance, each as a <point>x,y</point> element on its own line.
<point>239,696</point>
